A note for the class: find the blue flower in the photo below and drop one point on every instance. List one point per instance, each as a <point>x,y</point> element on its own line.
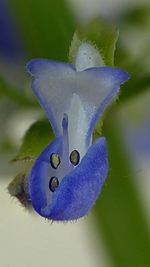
<point>68,175</point>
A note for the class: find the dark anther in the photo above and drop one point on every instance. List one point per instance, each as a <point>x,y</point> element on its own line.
<point>54,160</point>
<point>53,183</point>
<point>75,157</point>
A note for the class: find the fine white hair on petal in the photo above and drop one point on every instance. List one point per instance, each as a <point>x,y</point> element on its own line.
<point>88,57</point>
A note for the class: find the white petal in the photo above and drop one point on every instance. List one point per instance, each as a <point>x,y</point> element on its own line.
<point>53,85</point>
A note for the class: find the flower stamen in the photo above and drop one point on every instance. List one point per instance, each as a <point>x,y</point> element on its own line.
<point>75,157</point>
<point>53,183</point>
<point>55,160</point>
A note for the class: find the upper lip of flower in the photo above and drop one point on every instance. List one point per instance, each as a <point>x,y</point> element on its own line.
<point>82,95</point>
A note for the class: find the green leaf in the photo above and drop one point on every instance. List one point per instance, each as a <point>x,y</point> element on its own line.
<point>101,34</point>
<point>38,136</point>
<point>118,214</point>
<point>46,27</point>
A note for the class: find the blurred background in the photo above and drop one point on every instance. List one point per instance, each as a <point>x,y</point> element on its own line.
<point>117,231</point>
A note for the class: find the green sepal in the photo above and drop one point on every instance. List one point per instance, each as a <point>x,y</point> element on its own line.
<point>16,188</point>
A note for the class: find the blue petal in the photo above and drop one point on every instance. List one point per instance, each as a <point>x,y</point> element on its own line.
<point>77,191</point>
<point>39,174</point>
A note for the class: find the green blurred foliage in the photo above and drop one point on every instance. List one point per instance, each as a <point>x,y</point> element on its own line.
<point>137,16</point>
<point>118,214</point>
<point>132,51</point>
<point>47,27</point>
<point>15,95</point>
<point>38,136</point>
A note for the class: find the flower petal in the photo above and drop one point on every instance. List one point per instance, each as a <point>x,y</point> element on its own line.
<point>38,178</point>
<point>77,191</point>
<point>97,87</point>
<point>53,85</point>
